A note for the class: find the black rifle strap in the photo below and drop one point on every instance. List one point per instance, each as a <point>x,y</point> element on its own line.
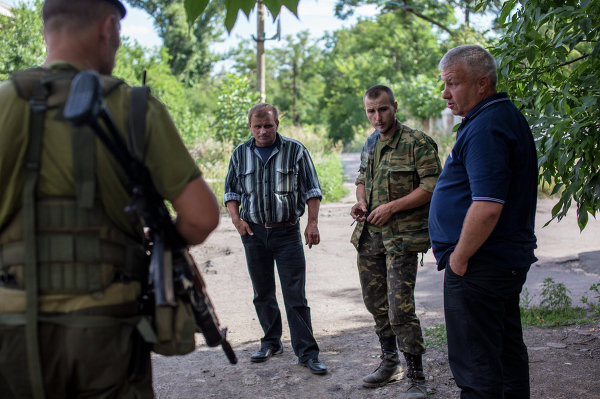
<point>38,104</point>
<point>137,121</point>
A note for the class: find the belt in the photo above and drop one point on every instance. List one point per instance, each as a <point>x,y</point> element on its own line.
<point>289,223</point>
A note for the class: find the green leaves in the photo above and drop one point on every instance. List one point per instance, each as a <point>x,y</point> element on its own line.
<point>21,38</point>
<point>391,50</point>
<point>547,63</point>
<point>231,118</point>
<point>194,8</point>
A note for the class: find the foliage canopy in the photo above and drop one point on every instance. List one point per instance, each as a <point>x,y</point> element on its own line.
<point>549,58</point>
<point>21,38</point>
<point>195,8</point>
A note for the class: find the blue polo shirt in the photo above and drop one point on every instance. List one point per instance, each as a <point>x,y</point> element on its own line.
<point>494,159</point>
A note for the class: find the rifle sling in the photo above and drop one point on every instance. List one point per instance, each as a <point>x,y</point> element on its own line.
<point>38,105</point>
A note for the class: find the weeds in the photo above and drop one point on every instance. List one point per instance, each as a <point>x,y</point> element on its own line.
<point>594,307</point>
<point>555,307</point>
<point>435,337</point>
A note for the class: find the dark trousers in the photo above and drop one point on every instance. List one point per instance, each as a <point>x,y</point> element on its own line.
<point>281,246</point>
<point>487,355</point>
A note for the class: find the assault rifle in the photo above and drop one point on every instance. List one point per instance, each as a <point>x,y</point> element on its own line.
<point>173,273</point>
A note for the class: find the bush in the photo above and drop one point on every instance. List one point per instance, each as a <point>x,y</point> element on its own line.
<point>594,305</point>
<point>555,307</point>
<point>331,176</point>
<point>231,116</point>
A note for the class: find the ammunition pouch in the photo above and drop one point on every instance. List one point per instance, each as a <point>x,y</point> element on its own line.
<point>175,329</point>
<point>78,250</point>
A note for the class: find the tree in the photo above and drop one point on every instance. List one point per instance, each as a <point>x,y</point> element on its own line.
<point>393,49</point>
<point>549,58</point>
<point>21,38</point>
<point>190,57</point>
<point>298,83</point>
<point>437,12</point>
<point>133,61</point>
<point>236,98</point>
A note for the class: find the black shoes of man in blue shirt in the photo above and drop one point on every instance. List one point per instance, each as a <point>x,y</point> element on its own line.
<point>265,352</point>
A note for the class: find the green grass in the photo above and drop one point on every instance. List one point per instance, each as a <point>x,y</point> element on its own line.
<point>435,337</point>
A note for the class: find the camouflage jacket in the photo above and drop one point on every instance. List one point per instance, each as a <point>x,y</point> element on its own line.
<point>408,161</point>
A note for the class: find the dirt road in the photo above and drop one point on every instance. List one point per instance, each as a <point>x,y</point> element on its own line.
<point>565,363</point>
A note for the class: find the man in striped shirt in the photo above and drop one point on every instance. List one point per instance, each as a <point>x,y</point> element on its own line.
<point>272,177</point>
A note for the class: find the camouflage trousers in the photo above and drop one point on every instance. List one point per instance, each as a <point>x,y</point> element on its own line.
<point>388,284</point>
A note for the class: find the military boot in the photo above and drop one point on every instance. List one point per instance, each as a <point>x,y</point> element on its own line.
<point>416,377</point>
<point>388,368</point>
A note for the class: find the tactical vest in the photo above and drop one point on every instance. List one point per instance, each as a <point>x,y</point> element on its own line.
<point>77,248</point>
<point>67,245</point>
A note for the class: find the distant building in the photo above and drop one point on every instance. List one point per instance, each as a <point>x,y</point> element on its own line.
<point>5,9</point>
<point>444,123</point>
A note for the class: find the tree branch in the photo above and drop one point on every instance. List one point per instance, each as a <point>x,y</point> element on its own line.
<point>548,67</point>
<point>426,18</point>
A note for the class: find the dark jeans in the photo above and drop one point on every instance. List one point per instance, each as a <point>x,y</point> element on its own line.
<point>283,246</point>
<point>487,355</point>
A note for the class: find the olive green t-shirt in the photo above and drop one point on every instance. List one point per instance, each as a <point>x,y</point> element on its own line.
<point>166,157</point>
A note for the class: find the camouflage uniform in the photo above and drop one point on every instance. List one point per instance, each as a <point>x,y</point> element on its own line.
<point>387,259</point>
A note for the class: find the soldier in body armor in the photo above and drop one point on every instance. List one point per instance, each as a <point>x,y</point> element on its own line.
<point>398,171</point>
<point>71,263</point>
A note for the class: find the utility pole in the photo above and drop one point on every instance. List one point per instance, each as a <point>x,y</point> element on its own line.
<point>260,50</point>
<point>260,47</point>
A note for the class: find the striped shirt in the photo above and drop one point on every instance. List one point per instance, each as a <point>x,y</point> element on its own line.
<point>275,191</point>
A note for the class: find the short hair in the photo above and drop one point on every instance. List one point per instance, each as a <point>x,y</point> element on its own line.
<point>262,110</point>
<point>476,58</point>
<point>375,91</point>
<point>79,12</point>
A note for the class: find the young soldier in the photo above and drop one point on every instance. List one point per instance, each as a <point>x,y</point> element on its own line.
<point>398,171</point>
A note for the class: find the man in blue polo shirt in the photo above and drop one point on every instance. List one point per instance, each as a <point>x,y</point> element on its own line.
<point>481,224</point>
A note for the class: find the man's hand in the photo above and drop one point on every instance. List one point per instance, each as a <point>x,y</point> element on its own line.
<point>458,266</point>
<point>243,227</point>
<point>311,234</point>
<point>358,211</point>
<point>380,215</point>
<point>233,207</point>
<point>480,221</point>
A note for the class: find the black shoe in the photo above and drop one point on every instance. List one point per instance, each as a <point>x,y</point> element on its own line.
<point>315,366</point>
<point>265,353</point>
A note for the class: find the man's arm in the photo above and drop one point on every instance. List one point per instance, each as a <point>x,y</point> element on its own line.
<point>479,223</point>
<point>197,211</point>
<point>383,213</point>
<point>233,207</point>
<point>311,233</point>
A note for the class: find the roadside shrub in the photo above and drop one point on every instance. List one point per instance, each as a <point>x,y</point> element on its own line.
<point>594,305</point>
<point>555,307</point>
<point>331,177</point>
